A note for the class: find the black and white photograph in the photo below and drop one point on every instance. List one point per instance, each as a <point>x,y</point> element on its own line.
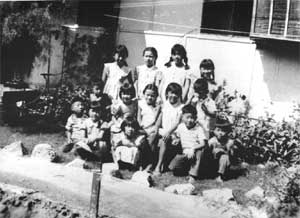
<point>150,109</point>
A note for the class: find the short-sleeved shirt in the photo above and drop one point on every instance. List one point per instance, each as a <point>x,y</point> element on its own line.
<point>77,127</point>
<point>145,75</point>
<point>170,116</point>
<point>190,138</point>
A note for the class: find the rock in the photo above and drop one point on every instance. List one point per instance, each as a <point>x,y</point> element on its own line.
<point>15,149</point>
<point>244,165</point>
<point>271,200</point>
<point>44,152</point>
<point>143,178</point>
<point>261,166</point>
<point>181,189</point>
<point>218,195</point>
<point>257,192</point>
<point>3,208</point>
<point>239,196</point>
<point>78,163</point>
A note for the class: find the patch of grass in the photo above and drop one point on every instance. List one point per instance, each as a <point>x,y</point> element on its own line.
<point>33,135</point>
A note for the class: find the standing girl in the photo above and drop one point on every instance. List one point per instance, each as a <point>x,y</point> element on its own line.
<point>147,73</point>
<point>177,71</point>
<point>148,114</point>
<point>114,73</point>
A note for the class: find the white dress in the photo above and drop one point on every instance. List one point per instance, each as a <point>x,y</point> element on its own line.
<point>148,114</point>
<point>114,74</point>
<point>173,74</point>
<point>145,76</point>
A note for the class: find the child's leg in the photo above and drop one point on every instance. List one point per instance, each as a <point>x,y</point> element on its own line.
<point>224,163</point>
<point>162,153</point>
<point>197,163</point>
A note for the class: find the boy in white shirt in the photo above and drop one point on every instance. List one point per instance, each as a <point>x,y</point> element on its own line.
<point>193,143</point>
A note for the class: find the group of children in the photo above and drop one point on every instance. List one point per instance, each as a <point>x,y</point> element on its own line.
<point>152,119</point>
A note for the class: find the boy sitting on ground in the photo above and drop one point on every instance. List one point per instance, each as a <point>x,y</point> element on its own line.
<point>76,130</point>
<point>193,144</point>
<point>222,146</point>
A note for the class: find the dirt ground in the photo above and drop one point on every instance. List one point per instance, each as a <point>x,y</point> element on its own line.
<point>17,202</point>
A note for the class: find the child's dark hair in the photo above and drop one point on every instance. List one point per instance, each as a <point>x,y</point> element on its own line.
<point>99,84</point>
<point>127,88</point>
<point>177,48</point>
<point>208,64</point>
<point>174,88</point>
<point>122,51</point>
<point>130,122</point>
<point>151,87</point>
<point>75,99</point>
<point>153,51</point>
<point>189,109</point>
<point>200,86</point>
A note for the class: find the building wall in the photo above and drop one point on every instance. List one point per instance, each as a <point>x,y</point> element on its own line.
<point>265,72</point>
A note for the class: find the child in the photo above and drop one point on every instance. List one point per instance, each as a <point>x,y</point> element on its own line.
<point>126,107</point>
<point>206,107</point>
<point>192,139</point>
<point>76,130</point>
<point>130,148</point>
<point>222,146</point>
<point>176,71</point>
<point>207,72</point>
<point>97,134</point>
<point>168,120</point>
<point>147,73</point>
<point>148,114</point>
<point>102,99</point>
<point>114,72</point>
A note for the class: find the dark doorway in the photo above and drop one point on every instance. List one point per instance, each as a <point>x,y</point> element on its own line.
<point>17,59</point>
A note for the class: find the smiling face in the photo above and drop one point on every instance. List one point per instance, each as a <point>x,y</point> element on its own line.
<point>150,97</point>
<point>173,98</point>
<point>129,131</point>
<point>177,58</point>
<point>221,134</point>
<point>189,120</point>
<point>126,98</point>
<point>149,59</point>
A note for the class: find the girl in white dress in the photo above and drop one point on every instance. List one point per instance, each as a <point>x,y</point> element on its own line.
<point>177,71</point>
<point>147,73</point>
<point>114,73</point>
<point>148,114</point>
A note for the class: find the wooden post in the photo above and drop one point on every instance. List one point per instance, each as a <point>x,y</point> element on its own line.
<point>95,194</point>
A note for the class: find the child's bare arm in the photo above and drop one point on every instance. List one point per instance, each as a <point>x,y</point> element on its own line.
<point>185,90</point>
<point>68,134</point>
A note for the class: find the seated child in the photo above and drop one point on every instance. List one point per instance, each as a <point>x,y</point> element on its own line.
<point>97,134</point>
<point>131,147</point>
<point>101,99</point>
<point>192,139</point>
<point>222,146</point>
<point>76,130</point>
<point>123,108</point>
<point>148,114</point>
<point>169,119</point>
<point>206,107</point>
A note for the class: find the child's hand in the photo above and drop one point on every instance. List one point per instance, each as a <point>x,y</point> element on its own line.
<point>190,153</point>
<point>166,136</point>
<point>175,141</point>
